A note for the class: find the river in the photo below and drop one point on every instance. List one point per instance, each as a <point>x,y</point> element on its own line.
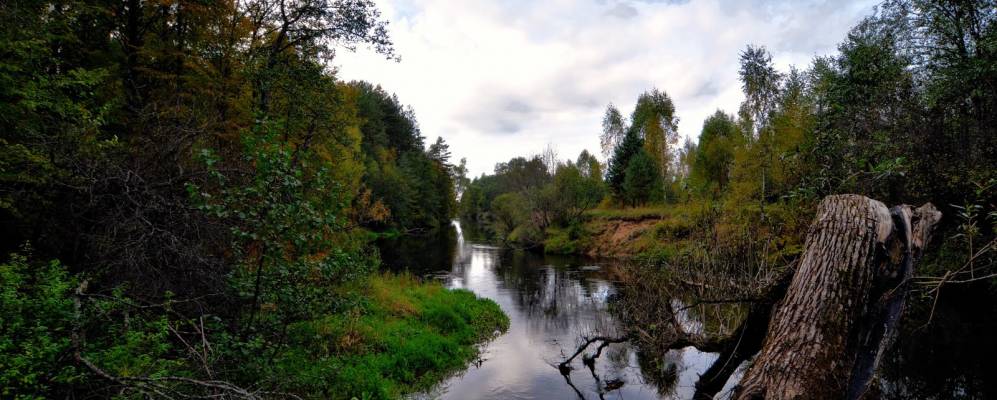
<point>553,302</point>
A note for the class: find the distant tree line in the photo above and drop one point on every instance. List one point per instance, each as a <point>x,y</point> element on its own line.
<point>526,196</point>
<point>904,113</point>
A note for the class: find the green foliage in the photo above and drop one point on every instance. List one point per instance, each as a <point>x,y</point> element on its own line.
<point>559,241</point>
<point>139,345</point>
<point>287,221</point>
<point>613,130</point>
<point>760,83</point>
<point>110,112</point>
<point>36,317</point>
<point>405,336</point>
<point>525,235</point>
<point>714,157</point>
<point>654,117</point>
<point>652,129</point>
<point>616,174</point>
<point>51,114</point>
<point>576,190</point>
<point>509,210</point>
<point>630,213</point>
<point>673,228</point>
<point>642,183</point>
<point>209,185</point>
<point>415,185</point>
<point>570,240</point>
<point>45,324</point>
<point>523,198</point>
<point>518,175</point>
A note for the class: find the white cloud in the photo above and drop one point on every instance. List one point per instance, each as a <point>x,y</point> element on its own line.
<point>501,79</point>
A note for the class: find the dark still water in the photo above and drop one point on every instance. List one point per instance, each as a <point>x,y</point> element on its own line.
<point>552,302</point>
<point>555,301</point>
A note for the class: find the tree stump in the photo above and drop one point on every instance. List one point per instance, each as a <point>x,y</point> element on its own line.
<point>827,335</point>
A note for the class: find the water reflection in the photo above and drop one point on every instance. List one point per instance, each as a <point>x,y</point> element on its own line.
<point>950,358</point>
<point>552,302</point>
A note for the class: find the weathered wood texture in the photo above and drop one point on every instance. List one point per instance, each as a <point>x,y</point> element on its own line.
<point>828,333</point>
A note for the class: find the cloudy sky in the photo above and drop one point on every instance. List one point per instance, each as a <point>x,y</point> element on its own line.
<point>498,79</point>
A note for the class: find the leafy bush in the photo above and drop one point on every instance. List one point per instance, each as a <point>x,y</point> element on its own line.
<point>36,316</point>
<point>559,241</point>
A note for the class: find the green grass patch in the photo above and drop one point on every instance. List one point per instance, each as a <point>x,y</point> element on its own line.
<point>404,336</point>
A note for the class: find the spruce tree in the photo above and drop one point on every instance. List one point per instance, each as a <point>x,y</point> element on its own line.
<point>616,173</point>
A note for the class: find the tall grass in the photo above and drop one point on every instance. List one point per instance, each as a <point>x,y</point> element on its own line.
<point>403,336</point>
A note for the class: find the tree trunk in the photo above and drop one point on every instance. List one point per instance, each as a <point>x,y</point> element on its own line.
<point>827,335</point>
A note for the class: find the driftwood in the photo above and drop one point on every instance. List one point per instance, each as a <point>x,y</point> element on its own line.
<point>828,334</point>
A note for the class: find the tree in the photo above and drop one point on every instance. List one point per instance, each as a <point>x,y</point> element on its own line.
<point>867,112</point>
<point>461,180</point>
<point>550,159</point>
<point>439,151</point>
<point>653,126</point>
<point>641,183</point>
<point>617,172</point>
<point>714,157</point>
<point>844,292</point>
<point>848,289</point>
<point>654,117</point>
<point>521,174</point>
<point>589,165</point>
<point>419,187</point>
<point>575,191</point>
<point>283,29</point>
<point>760,83</point>
<point>509,211</point>
<point>614,128</point>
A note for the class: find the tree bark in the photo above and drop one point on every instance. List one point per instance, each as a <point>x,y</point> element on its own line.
<point>827,335</point>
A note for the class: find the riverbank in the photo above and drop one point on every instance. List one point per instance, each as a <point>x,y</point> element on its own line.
<point>663,234</point>
<point>391,335</point>
<point>403,336</point>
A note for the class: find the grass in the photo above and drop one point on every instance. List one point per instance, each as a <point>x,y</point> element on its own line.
<point>404,336</point>
<point>667,232</point>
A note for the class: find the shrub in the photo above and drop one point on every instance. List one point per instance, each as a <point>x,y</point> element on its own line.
<point>36,314</point>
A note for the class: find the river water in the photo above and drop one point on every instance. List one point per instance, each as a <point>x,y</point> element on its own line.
<point>554,302</point>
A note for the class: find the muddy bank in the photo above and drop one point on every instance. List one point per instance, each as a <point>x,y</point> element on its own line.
<point>617,238</point>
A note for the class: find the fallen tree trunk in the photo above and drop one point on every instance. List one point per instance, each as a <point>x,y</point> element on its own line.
<point>828,334</point>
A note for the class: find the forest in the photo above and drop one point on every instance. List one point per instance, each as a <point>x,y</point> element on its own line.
<point>191,197</point>
<point>188,196</point>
